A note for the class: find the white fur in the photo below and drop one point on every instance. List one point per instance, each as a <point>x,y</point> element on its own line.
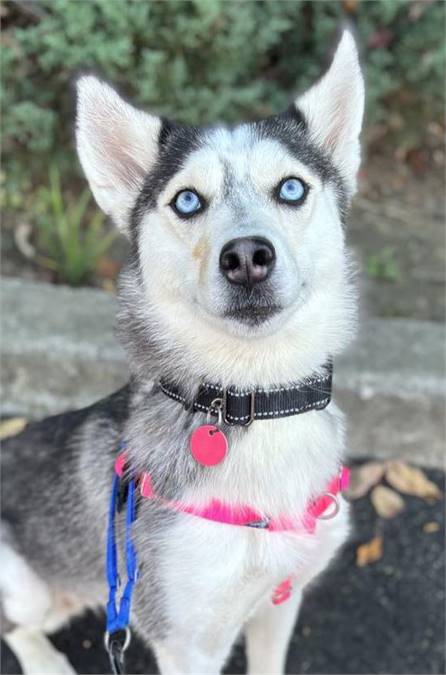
<point>218,582</point>
<point>116,145</point>
<point>26,598</point>
<point>334,109</point>
<point>220,578</point>
<point>28,602</point>
<point>314,270</point>
<point>36,654</point>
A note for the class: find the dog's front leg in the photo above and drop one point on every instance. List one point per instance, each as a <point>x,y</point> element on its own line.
<point>36,654</point>
<point>178,657</point>
<point>268,634</point>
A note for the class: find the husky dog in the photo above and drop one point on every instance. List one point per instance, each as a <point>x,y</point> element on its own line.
<point>238,279</point>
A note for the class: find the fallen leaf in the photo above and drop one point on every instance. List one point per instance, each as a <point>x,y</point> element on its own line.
<point>109,286</point>
<point>387,502</point>
<point>350,6</point>
<point>364,477</point>
<point>431,527</point>
<point>369,552</point>
<point>12,427</point>
<point>411,481</point>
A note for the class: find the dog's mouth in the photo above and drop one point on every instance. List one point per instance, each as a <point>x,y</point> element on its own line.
<point>252,314</point>
<point>252,307</point>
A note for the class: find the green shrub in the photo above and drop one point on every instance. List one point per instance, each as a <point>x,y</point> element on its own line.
<point>383,265</point>
<point>64,243</point>
<point>202,60</point>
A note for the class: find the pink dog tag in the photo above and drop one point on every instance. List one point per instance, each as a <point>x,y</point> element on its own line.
<point>208,445</point>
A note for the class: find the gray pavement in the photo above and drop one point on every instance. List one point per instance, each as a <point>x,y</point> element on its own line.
<point>59,352</point>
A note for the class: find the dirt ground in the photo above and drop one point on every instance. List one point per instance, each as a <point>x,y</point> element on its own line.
<point>396,229</point>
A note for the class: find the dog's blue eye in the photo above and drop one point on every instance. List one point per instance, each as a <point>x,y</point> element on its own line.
<point>292,190</point>
<point>187,202</point>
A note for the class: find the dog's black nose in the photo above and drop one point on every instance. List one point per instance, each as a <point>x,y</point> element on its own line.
<point>247,261</point>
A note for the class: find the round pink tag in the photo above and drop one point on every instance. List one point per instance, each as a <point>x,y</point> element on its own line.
<point>208,445</point>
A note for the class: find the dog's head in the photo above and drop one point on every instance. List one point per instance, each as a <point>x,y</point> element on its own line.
<point>237,232</point>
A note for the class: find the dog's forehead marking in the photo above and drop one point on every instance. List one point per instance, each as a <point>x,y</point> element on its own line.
<point>238,160</point>
<point>232,158</point>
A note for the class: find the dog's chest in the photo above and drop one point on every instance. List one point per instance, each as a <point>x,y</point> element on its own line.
<point>274,468</point>
<point>214,575</point>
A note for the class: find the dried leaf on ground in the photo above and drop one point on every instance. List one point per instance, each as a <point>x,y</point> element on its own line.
<point>411,481</point>
<point>431,527</point>
<point>387,502</point>
<point>109,286</point>
<point>12,427</point>
<point>364,477</point>
<point>369,552</point>
<point>350,6</point>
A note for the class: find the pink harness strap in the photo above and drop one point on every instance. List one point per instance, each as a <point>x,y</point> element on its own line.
<point>220,512</point>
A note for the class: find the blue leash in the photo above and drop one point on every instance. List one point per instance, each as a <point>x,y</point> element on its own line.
<point>118,618</point>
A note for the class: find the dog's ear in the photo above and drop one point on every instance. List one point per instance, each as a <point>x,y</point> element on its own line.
<point>333,109</point>
<point>117,144</point>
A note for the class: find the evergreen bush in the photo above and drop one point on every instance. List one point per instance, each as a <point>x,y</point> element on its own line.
<point>201,61</point>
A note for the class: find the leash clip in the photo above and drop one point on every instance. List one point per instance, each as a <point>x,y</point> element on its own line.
<point>109,638</point>
<point>115,646</point>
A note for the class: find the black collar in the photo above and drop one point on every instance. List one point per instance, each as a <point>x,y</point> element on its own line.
<point>241,407</point>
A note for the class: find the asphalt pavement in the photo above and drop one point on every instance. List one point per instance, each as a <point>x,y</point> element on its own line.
<point>385,617</point>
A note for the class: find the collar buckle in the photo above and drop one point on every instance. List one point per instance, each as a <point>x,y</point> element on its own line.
<point>252,409</point>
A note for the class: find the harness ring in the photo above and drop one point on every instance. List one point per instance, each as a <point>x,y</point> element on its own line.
<point>334,503</point>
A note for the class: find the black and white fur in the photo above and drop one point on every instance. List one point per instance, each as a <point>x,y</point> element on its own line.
<point>201,583</point>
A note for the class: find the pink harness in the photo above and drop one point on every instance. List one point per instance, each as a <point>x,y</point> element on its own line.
<point>221,512</point>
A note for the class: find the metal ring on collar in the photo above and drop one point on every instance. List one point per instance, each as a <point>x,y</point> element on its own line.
<point>215,408</point>
<point>334,503</point>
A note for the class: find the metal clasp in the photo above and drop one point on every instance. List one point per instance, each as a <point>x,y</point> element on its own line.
<point>260,524</point>
<point>216,407</point>
<point>252,409</point>
<point>116,646</point>
<point>335,507</point>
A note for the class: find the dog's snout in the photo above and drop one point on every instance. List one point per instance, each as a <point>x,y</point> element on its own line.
<point>247,260</point>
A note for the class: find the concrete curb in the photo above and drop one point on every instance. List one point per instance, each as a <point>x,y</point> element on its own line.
<point>59,352</point>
